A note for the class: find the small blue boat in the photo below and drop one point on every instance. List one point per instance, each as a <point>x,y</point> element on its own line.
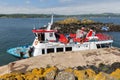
<point>18,51</point>
<point>105,28</point>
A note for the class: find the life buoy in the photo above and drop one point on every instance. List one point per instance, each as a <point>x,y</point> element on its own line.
<point>36,42</point>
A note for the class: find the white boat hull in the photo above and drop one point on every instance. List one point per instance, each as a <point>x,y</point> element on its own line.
<point>54,47</point>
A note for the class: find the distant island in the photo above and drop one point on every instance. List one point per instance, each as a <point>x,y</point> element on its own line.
<point>57,15</point>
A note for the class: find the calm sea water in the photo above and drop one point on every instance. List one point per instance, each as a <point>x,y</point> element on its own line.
<point>17,32</point>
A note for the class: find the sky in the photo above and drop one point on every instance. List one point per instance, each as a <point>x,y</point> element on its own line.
<point>66,7</point>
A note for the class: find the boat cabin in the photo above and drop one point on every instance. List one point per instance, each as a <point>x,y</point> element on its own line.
<point>44,35</point>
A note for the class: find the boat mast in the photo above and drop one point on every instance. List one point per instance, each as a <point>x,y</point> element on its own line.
<point>50,24</point>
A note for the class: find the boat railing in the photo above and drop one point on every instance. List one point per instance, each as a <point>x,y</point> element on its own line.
<point>102,37</point>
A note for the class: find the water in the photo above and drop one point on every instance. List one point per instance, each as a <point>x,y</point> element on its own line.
<point>17,32</point>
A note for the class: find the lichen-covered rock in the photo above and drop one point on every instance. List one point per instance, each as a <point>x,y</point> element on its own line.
<point>35,74</point>
<point>103,76</point>
<point>89,73</point>
<point>69,21</point>
<point>69,70</point>
<point>50,73</point>
<point>65,76</point>
<point>116,74</point>
<point>37,71</point>
<point>115,65</point>
<point>80,74</point>
<point>19,77</point>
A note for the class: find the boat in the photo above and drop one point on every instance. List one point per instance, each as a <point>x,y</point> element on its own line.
<point>51,41</point>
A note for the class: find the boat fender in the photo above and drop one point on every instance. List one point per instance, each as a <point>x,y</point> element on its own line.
<point>36,42</point>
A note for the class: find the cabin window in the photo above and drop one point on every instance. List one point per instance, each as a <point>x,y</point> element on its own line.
<point>43,51</point>
<point>39,37</point>
<point>50,50</point>
<point>35,34</point>
<point>59,49</point>
<point>92,40</point>
<point>51,34</point>
<point>98,46</point>
<point>103,45</point>
<point>68,48</point>
<point>86,45</point>
<point>108,45</point>
<point>42,36</point>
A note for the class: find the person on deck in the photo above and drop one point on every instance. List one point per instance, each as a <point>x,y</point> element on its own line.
<point>80,33</point>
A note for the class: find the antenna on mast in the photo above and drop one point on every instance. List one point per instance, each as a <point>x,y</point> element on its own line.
<point>52,19</point>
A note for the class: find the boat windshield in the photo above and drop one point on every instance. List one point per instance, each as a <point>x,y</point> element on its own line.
<point>41,37</point>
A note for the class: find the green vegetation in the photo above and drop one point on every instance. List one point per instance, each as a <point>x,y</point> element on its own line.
<point>75,21</point>
<point>28,15</point>
<point>56,15</point>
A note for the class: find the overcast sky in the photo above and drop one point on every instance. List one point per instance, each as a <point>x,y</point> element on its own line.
<point>59,6</point>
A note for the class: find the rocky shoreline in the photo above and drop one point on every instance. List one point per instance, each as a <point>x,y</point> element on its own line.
<point>70,25</point>
<point>101,60</point>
